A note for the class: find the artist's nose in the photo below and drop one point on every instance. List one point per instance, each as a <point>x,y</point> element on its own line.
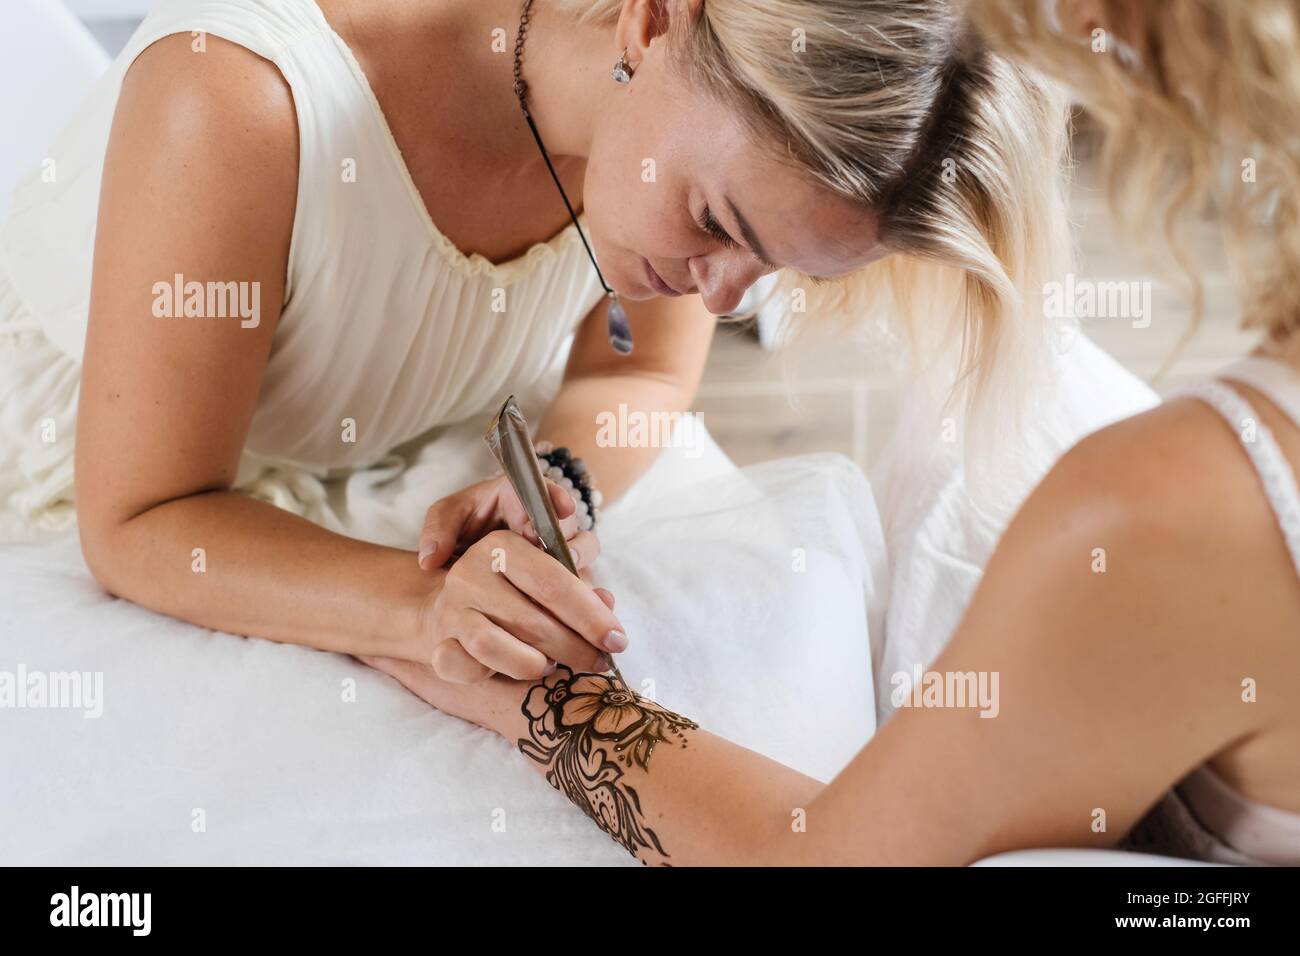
<point>722,278</point>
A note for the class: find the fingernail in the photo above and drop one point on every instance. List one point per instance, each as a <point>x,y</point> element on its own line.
<point>604,664</point>
<point>550,668</point>
<point>426,551</point>
<point>615,642</point>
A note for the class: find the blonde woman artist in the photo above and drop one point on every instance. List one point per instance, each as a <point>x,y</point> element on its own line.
<point>1156,704</point>
<point>365,177</point>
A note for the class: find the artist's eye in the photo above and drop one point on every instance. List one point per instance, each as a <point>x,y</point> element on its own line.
<point>708,224</point>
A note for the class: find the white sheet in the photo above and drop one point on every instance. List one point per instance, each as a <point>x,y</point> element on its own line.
<point>258,739</point>
<point>940,532</point>
<point>703,559</point>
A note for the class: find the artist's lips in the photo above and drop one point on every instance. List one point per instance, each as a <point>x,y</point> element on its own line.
<point>657,282</point>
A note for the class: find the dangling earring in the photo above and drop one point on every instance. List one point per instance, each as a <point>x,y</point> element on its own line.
<point>622,73</point>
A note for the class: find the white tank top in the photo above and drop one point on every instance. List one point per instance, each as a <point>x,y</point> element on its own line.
<point>385,322</point>
<point>1203,817</point>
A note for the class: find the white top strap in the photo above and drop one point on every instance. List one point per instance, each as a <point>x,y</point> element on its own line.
<point>1276,379</point>
<point>1257,439</point>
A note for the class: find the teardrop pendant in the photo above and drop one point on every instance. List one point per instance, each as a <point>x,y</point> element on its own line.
<point>620,332</point>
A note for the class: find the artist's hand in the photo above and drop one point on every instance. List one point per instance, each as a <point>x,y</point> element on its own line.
<point>506,606</point>
<point>455,522</point>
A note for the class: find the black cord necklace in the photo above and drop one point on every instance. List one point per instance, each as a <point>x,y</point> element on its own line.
<point>620,333</point>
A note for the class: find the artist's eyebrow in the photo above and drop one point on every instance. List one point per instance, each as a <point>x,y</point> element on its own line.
<point>747,233</point>
<point>756,247</point>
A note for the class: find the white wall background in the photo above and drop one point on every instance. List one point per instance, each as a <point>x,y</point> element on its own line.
<point>109,9</point>
<point>111,21</point>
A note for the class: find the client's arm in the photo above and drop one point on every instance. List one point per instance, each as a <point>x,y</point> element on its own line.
<point>1110,687</point>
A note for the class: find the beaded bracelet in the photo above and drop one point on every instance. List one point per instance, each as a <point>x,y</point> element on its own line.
<point>571,474</point>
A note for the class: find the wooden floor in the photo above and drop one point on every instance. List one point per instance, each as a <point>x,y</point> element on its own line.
<point>836,396</point>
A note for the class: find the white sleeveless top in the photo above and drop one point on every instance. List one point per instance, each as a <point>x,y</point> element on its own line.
<point>1203,817</point>
<point>385,322</point>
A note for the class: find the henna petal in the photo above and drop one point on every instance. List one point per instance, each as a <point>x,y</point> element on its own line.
<point>597,684</point>
<point>579,709</point>
<point>536,704</point>
<point>612,721</point>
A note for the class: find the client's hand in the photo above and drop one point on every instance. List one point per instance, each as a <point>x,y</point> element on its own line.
<point>455,522</point>
<point>493,704</point>
<point>506,606</point>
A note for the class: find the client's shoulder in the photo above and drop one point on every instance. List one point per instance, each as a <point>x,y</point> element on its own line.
<point>1176,469</point>
<point>1173,513</point>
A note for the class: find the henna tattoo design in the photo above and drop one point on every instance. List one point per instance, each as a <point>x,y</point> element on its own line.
<point>586,729</point>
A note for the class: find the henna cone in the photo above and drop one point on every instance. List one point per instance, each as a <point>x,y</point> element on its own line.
<point>507,436</point>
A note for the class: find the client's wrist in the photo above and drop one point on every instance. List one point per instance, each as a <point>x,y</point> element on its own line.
<point>500,706</point>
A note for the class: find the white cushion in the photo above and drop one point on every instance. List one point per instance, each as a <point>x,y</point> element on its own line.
<point>48,63</point>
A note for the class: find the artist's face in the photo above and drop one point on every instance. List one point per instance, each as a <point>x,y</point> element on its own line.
<point>673,179</point>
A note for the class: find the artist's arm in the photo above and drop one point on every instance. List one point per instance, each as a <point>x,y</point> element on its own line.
<point>201,179</point>
<point>660,376</point>
<point>1111,686</point>
<point>672,337</point>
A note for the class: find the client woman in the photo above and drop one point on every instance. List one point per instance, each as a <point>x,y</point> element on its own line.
<point>1143,610</point>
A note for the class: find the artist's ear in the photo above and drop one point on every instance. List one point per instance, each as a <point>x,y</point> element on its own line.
<point>1129,24</point>
<point>1081,17</point>
<point>644,21</point>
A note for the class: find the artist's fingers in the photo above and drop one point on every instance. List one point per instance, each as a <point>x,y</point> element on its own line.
<point>585,548</point>
<point>533,625</point>
<point>456,665</point>
<point>446,523</point>
<point>566,509</point>
<point>606,596</point>
<point>517,520</point>
<point>563,595</point>
<point>498,649</point>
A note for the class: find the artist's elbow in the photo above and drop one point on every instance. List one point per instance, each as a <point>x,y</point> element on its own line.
<point>105,528</point>
<point>102,549</point>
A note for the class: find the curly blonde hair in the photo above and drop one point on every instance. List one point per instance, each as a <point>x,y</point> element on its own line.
<point>1198,104</point>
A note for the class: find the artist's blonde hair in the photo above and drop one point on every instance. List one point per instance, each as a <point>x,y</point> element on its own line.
<point>1200,106</point>
<point>894,104</point>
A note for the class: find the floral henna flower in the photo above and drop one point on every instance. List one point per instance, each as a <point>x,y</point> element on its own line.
<point>595,701</point>
<point>605,709</point>
<point>576,725</point>
<point>542,704</point>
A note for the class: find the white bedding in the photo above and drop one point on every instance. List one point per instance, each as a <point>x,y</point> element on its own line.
<point>220,749</point>
<point>255,740</point>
